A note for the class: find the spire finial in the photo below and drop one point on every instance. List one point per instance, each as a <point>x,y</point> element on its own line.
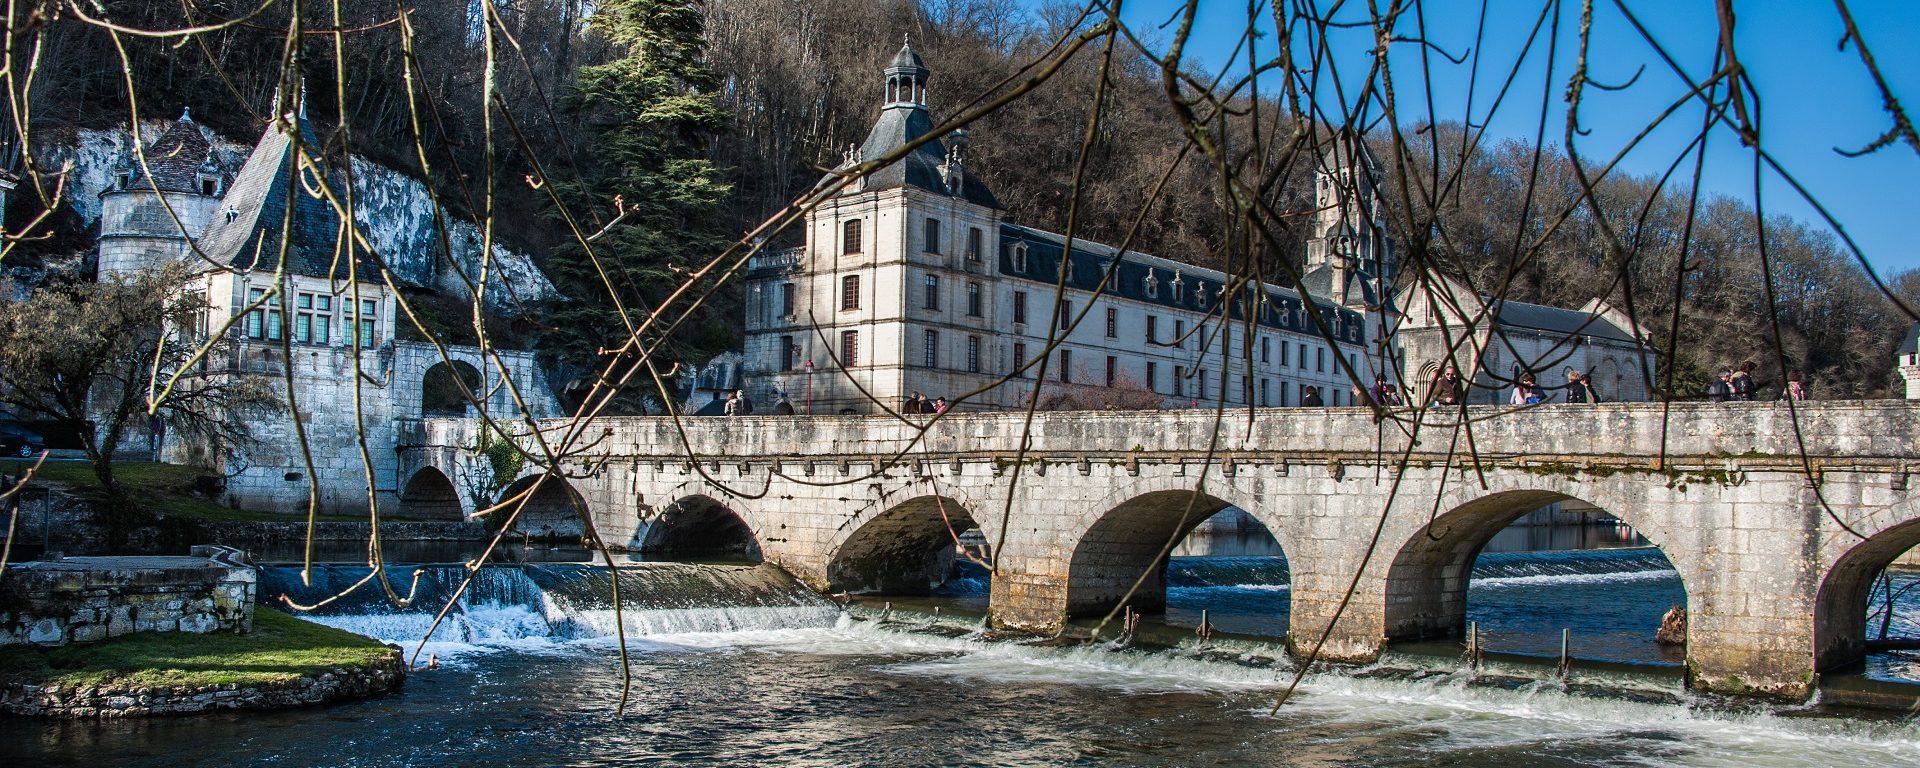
<point>186,114</point>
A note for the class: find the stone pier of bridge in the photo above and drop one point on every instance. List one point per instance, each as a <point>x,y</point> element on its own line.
<point>1776,519</point>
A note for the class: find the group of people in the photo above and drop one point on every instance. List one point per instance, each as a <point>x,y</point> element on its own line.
<point>919,404</point>
<point>738,404</point>
<point>1739,385</point>
<point>1579,389</point>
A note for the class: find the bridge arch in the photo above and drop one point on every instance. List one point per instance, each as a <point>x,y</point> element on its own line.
<point>441,388</point>
<point>552,511</point>
<point>699,527</point>
<point>906,550</point>
<point>1840,606</point>
<point>1130,537</point>
<point>429,495</point>
<point>1425,590</point>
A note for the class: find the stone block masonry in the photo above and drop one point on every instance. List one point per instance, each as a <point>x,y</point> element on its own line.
<point>90,599</point>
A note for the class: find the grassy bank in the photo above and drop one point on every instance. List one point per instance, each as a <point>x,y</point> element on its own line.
<point>280,649</point>
<point>165,489</point>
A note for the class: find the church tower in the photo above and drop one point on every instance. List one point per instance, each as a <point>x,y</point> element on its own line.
<point>1349,256</point>
<point>154,210</point>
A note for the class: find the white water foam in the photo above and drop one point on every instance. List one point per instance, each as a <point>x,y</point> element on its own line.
<point>1503,582</point>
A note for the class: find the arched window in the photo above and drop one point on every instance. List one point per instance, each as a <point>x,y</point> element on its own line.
<point>1020,258</point>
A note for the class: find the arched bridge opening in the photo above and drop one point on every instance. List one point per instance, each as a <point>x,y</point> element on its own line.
<point>909,549</point>
<point>446,387</point>
<point>699,528</point>
<point>1123,558</point>
<point>429,495</point>
<point>545,511</point>
<point>1527,568</point>
<point>1867,610</point>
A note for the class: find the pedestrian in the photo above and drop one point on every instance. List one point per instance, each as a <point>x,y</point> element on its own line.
<point>1796,388</point>
<point>1446,389</point>
<point>732,406</point>
<point>1525,392</point>
<point>1580,388</point>
<point>1382,391</point>
<point>738,404</point>
<point>782,406</point>
<point>1311,398</point>
<point>1358,396</point>
<point>1720,389</point>
<point>916,404</point>
<point>1390,396</point>
<point>1742,382</point>
<point>940,405</point>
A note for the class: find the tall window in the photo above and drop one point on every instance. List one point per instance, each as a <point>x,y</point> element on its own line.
<point>1201,391</point>
<point>1152,328</point>
<point>973,299</point>
<point>932,300</point>
<point>1113,370</point>
<point>1285,349</point>
<point>786,299</point>
<point>1151,370</point>
<point>787,353</point>
<point>973,354</point>
<point>1266,392</point>
<point>1284,386</point>
<point>264,321</point>
<point>1019,357</point>
<point>850,236</point>
<point>850,292</point>
<point>1066,314</point>
<point>1066,366</point>
<point>932,236</point>
<point>1302,349</point>
<point>1180,333</point>
<point>1113,279</point>
<point>1019,306</point>
<point>1179,381</point>
<point>973,244</point>
<point>849,349</point>
<point>930,340</point>
<point>313,318</point>
<point>1020,258</point>
<point>1113,322</point>
<point>197,322</point>
<point>363,326</point>
<point>1320,360</point>
<point>1266,349</point>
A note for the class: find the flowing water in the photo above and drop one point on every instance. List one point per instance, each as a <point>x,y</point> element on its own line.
<point>736,665</point>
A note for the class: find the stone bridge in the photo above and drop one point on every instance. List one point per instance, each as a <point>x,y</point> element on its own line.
<point>1776,520</point>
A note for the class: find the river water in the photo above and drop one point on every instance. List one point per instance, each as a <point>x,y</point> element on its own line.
<point>771,674</point>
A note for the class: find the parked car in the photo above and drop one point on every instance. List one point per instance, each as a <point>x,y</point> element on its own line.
<point>16,440</point>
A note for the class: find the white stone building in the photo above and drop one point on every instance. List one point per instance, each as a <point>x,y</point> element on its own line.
<point>1907,360</point>
<point>270,263</point>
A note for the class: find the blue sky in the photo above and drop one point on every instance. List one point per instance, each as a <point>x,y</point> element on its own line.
<point>1814,97</point>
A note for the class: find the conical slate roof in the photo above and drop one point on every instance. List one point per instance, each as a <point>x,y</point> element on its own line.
<point>1911,345</point>
<point>174,160</point>
<point>900,123</point>
<point>906,58</point>
<point>247,231</point>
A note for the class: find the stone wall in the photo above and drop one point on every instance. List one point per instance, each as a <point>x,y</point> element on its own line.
<point>134,701</point>
<point>89,599</point>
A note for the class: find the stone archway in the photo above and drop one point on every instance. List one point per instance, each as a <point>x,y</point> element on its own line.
<point>907,550</point>
<point>1840,607</point>
<point>552,511</point>
<point>445,387</point>
<point>700,528</point>
<point>1128,545</point>
<point>429,495</point>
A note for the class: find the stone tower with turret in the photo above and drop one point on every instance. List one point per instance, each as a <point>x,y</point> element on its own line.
<point>162,198</point>
<point>1349,256</point>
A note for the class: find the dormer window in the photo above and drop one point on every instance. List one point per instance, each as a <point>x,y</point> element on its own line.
<point>1113,276</point>
<point>1151,284</point>
<point>209,184</point>
<point>1179,287</point>
<point>1020,258</point>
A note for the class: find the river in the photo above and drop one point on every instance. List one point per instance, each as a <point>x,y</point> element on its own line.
<point>771,674</point>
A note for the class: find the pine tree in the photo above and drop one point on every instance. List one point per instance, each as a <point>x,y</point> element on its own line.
<point>649,117</point>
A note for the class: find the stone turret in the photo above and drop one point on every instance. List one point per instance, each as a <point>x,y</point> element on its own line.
<point>1349,257</point>
<point>1907,358</point>
<point>156,207</point>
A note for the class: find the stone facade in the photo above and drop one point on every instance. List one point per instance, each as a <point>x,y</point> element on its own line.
<point>1907,361</point>
<point>1776,578</point>
<point>110,701</point>
<point>90,599</point>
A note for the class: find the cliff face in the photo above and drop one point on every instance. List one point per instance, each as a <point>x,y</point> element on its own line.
<point>420,241</point>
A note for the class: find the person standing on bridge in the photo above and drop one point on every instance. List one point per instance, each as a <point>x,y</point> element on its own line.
<point>1311,399</point>
<point>1721,390</point>
<point>1742,382</point>
<point>1796,388</point>
<point>1446,389</point>
<point>1525,392</point>
<point>1580,388</point>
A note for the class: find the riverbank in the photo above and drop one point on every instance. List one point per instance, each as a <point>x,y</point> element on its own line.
<point>283,662</point>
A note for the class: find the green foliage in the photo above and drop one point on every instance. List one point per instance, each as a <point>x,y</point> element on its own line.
<point>280,649</point>
<point>649,116</point>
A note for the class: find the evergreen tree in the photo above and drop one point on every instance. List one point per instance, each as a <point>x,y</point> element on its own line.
<point>649,117</point>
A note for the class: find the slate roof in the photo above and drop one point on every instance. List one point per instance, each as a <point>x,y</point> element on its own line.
<point>907,59</point>
<point>1554,320</point>
<point>246,232</point>
<point>1089,264</point>
<point>902,123</point>
<point>1319,282</point>
<point>175,159</point>
<point>1910,346</point>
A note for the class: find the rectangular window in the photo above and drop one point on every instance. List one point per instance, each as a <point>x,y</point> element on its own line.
<point>197,321</point>
<point>1180,333</point>
<point>786,300</point>
<point>1066,366</point>
<point>849,349</point>
<point>1286,348</point>
<point>1153,324</point>
<point>932,300</point>
<point>1266,349</point>
<point>850,292</point>
<point>313,318</point>
<point>1019,358</point>
<point>1113,370</point>
<point>850,236</point>
<point>1266,392</point>
<point>787,353</point>
<point>1284,387</point>
<point>1113,279</point>
<point>1320,359</point>
<point>931,235</point>
<point>931,343</point>
<point>973,244</point>
<point>1019,306</point>
<point>973,354</point>
<point>363,326</point>
<point>1066,314</point>
<point>1179,381</point>
<point>1150,376</point>
<point>973,299</point>
<point>264,321</point>
<point>1202,390</point>
<point>1113,322</point>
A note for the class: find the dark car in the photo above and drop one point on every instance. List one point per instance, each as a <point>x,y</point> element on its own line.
<point>16,440</point>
